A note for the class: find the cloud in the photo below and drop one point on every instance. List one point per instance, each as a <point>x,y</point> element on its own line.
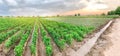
<point>11,2</point>
<point>1,1</point>
<point>22,7</point>
<point>113,4</point>
<point>44,7</point>
<point>30,12</point>
<point>96,5</point>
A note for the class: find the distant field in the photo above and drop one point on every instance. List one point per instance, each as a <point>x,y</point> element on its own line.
<point>83,20</point>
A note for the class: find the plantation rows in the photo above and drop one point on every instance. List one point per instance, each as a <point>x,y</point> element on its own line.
<point>16,33</point>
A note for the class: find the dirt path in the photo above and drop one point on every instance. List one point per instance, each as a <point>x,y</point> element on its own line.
<point>27,51</point>
<point>114,49</point>
<point>40,46</point>
<point>108,43</point>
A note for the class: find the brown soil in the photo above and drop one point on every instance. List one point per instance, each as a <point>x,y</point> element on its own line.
<point>27,51</point>
<point>11,52</point>
<point>40,46</point>
<point>108,43</point>
<point>114,49</point>
<point>2,53</point>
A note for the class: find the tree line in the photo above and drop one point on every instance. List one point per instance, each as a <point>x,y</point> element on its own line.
<point>115,12</point>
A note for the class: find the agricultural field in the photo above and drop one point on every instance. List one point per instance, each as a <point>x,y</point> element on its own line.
<point>95,21</point>
<point>36,36</point>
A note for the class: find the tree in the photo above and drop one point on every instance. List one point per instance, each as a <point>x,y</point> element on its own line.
<point>75,14</point>
<point>103,14</point>
<point>58,15</point>
<point>111,13</point>
<point>117,11</point>
<point>78,14</point>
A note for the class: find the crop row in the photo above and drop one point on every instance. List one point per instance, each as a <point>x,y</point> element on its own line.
<point>46,40</point>
<point>20,47</point>
<point>60,33</point>
<point>65,33</point>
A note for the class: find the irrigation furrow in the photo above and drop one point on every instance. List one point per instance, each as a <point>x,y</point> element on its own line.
<point>2,46</point>
<point>56,50</point>
<point>27,51</point>
<point>16,28</point>
<point>40,46</point>
<point>11,51</point>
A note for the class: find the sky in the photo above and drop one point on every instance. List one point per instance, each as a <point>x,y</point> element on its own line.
<point>53,7</point>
